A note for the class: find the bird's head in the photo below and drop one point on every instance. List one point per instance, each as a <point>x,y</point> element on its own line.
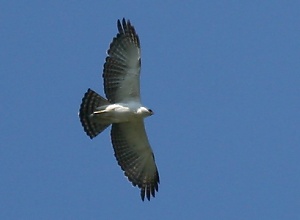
<point>145,111</point>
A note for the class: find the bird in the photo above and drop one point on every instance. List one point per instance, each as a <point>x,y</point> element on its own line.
<point>122,109</point>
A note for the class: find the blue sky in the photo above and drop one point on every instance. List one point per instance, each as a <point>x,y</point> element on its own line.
<point>221,76</point>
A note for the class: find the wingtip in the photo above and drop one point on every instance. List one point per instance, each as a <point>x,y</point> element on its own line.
<point>124,25</point>
<point>123,20</point>
<point>148,192</point>
<point>143,197</point>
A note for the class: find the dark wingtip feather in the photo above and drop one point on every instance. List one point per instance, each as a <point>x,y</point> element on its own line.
<point>148,192</point>
<point>153,191</point>
<point>143,194</point>
<point>120,28</point>
<point>124,24</point>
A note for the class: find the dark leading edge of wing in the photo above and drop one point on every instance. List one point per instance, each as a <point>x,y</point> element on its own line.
<point>122,65</point>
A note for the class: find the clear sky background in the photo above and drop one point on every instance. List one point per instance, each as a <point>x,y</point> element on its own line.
<point>223,78</point>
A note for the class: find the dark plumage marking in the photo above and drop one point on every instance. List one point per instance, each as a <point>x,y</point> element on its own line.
<point>90,102</point>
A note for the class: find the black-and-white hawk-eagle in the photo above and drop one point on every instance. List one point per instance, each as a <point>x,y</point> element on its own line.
<point>123,110</point>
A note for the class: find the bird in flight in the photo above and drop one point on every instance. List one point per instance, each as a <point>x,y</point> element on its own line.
<point>123,110</point>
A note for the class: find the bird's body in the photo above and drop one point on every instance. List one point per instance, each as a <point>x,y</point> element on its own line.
<point>123,110</point>
<point>120,112</point>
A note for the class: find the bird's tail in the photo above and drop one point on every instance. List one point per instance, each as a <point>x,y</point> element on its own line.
<point>90,102</point>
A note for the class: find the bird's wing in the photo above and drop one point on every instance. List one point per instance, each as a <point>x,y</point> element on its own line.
<point>135,156</point>
<point>122,66</point>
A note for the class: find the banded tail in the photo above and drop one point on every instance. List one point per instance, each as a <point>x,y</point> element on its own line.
<point>90,102</point>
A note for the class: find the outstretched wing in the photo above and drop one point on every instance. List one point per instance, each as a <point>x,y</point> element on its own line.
<point>122,66</point>
<point>135,156</point>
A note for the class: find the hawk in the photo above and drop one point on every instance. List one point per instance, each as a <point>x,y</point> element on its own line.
<point>123,110</point>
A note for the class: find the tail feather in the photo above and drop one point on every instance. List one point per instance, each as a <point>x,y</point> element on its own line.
<point>90,102</point>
